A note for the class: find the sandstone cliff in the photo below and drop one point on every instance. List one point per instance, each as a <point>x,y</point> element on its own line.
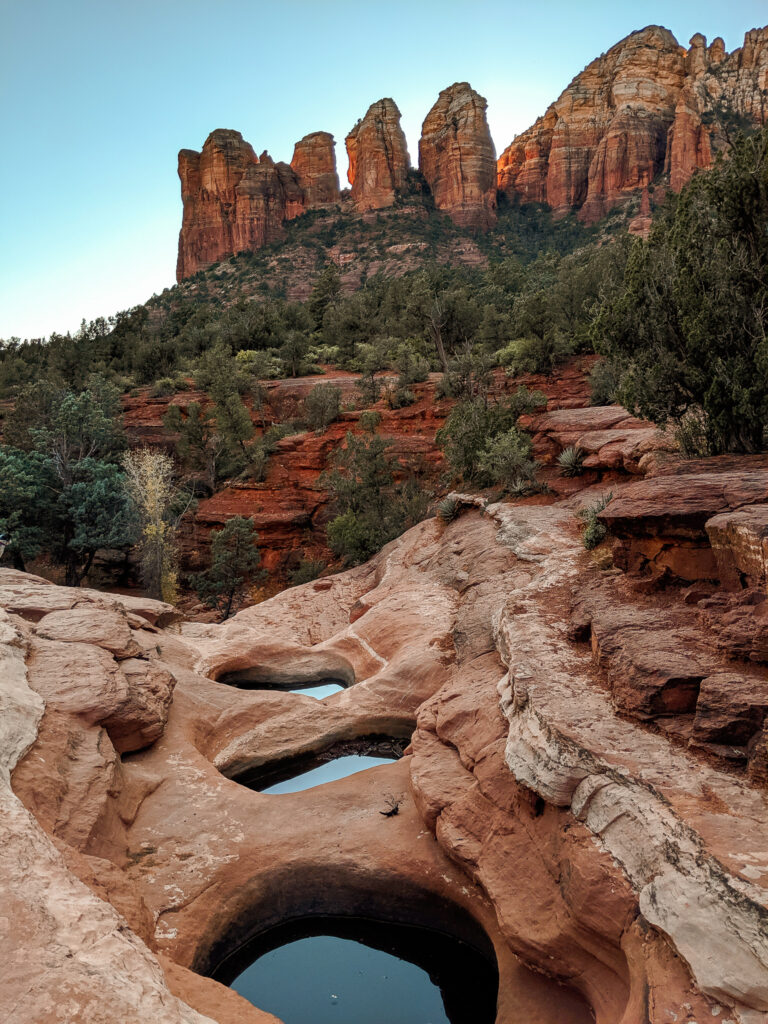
<point>644,108</point>
<point>314,164</point>
<point>378,157</point>
<point>646,112</point>
<point>585,780</point>
<point>457,157</point>
<point>235,201</point>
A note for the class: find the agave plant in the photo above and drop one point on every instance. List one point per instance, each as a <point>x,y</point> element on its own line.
<point>448,509</point>
<point>571,461</point>
<point>594,531</point>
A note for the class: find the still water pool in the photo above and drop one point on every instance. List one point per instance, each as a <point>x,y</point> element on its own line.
<point>370,973</point>
<point>318,692</point>
<point>338,768</point>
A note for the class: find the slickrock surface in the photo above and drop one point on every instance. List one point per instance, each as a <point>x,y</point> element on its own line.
<point>378,157</point>
<point>458,159</point>
<point>645,107</point>
<point>586,782</point>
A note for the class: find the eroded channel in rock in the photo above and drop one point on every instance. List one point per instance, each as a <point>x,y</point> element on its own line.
<point>354,971</point>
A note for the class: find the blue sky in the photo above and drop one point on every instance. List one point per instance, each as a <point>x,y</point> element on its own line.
<point>98,96</point>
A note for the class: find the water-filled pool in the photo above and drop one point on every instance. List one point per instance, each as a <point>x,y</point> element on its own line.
<point>319,691</point>
<point>251,679</point>
<point>339,768</point>
<point>356,972</point>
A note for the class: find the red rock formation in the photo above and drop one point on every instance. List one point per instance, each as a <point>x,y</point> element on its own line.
<point>314,164</point>
<point>378,157</point>
<point>457,157</point>
<point>644,108</point>
<point>234,201</point>
<point>644,870</point>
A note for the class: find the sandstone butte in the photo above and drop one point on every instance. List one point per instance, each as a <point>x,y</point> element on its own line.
<point>458,159</point>
<point>585,781</point>
<point>378,157</point>
<point>235,201</point>
<point>645,115</point>
<point>648,110</point>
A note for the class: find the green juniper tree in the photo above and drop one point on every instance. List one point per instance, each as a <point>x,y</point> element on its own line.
<point>234,568</point>
<point>687,333</point>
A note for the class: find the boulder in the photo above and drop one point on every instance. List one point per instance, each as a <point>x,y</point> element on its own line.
<point>739,540</point>
<point>103,628</point>
<point>141,719</point>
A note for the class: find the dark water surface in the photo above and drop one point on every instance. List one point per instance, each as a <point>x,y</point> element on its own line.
<point>248,680</point>
<point>358,972</point>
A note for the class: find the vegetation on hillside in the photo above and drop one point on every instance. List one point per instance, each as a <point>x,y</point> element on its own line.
<point>680,321</point>
<point>686,333</point>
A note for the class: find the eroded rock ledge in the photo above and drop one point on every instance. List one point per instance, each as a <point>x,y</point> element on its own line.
<point>552,792</point>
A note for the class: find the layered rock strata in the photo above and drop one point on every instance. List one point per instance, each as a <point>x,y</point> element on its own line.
<point>378,157</point>
<point>575,785</point>
<point>235,201</point>
<point>458,159</point>
<point>314,164</point>
<point>645,108</point>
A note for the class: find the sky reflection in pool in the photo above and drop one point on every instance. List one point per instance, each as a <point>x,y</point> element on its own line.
<point>329,980</point>
<point>339,768</point>
<point>324,690</point>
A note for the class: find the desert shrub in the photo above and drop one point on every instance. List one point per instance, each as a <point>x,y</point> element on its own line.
<point>412,367</point>
<point>163,388</point>
<point>506,460</point>
<point>594,531</point>
<point>535,355</point>
<point>322,406</point>
<point>307,570</point>
<point>371,509</point>
<point>571,461</point>
<point>398,397</point>
<point>369,389</point>
<point>369,421</point>
<point>263,364</point>
<point>603,383</point>
<point>472,424</point>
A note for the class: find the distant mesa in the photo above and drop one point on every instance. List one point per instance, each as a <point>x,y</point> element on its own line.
<point>646,113</point>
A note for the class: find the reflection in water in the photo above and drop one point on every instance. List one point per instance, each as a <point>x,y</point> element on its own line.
<point>351,971</point>
<point>323,690</point>
<point>325,980</point>
<point>328,772</point>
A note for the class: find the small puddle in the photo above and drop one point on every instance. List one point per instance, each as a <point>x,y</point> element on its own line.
<point>318,691</point>
<point>336,971</point>
<point>339,768</point>
<point>347,757</point>
<point>251,679</point>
